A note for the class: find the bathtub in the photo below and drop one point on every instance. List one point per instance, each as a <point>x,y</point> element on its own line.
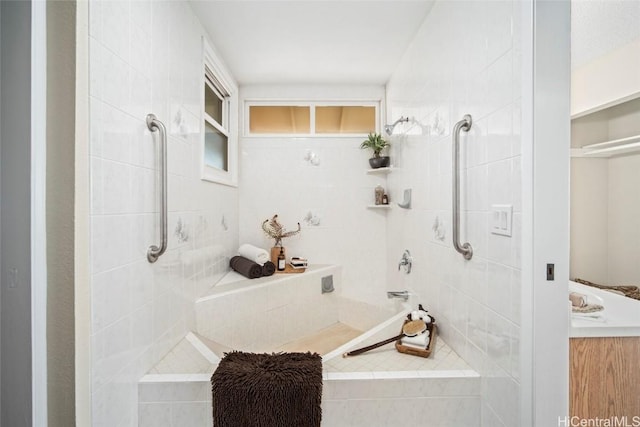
<point>621,316</point>
<point>289,312</point>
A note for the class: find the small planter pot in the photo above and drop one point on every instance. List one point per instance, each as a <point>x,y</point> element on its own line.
<point>379,162</point>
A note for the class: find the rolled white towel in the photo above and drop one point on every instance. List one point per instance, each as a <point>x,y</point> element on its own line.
<point>421,340</point>
<point>421,346</point>
<point>254,253</point>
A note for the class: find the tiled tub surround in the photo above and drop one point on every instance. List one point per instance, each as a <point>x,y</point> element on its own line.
<point>379,388</point>
<point>329,198</point>
<point>145,57</point>
<point>463,63</point>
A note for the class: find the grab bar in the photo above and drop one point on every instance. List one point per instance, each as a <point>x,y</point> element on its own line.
<point>154,252</point>
<point>465,124</point>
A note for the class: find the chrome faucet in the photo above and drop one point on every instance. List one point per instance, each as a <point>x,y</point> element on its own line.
<point>406,261</point>
<point>403,295</point>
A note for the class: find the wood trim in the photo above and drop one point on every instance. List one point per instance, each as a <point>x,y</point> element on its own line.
<point>604,377</point>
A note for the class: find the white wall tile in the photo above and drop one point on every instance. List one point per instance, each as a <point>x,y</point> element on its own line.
<point>500,78</point>
<point>499,279</point>
<point>115,79</point>
<point>141,310</point>
<point>500,136</point>
<point>110,297</point>
<point>338,189</point>
<point>499,28</point>
<point>484,82</point>
<point>96,187</point>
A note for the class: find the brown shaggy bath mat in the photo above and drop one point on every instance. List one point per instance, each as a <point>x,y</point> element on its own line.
<point>267,390</point>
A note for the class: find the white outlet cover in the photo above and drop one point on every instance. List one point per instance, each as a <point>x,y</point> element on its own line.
<point>501,219</point>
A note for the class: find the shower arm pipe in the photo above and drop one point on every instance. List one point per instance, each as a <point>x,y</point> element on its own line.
<point>154,252</point>
<point>465,249</point>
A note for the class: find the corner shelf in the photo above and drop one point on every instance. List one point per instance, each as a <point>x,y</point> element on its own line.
<point>379,171</point>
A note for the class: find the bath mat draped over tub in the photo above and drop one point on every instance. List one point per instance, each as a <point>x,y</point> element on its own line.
<point>267,390</point>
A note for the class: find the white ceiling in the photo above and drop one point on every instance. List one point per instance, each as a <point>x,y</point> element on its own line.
<point>599,26</point>
<point>362,41</point>
<point>322,41</point>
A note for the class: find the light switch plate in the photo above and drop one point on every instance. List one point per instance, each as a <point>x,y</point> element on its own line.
<point>501,219</point>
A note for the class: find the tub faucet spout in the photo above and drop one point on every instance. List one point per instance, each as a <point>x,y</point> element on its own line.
<point>403,295</point>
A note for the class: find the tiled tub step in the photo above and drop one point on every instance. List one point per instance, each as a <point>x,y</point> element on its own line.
<point>387,400</point>
<point>439,398</point>
<point>177,393</point>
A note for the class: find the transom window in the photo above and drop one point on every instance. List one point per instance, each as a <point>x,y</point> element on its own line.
<point>308,119</point>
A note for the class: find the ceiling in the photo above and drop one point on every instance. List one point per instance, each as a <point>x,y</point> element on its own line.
<point>362,41</point>
<point>600,26</point>
<point>321,41</point>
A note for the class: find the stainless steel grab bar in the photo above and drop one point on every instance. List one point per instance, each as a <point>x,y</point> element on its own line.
<point>465,249</point>
<point>154,252</point>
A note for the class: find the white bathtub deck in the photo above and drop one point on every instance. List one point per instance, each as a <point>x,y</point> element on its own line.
<point>196,355</point>
<point>388,359</point>
<point>192,355</point>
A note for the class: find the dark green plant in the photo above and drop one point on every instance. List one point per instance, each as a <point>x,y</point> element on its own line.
<point>376,143</point>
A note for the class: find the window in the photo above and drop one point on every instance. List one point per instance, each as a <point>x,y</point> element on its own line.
<point>309,119</point>
<point>345,119</point>
<point>220,100</point>
<point>216,135</point>
<point>279,119</point>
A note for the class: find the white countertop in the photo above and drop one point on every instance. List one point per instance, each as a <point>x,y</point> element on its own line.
<point>621,316</point>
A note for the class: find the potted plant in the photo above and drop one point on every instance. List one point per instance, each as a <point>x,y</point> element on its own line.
<point>376,143</point>
<point>276,231</point>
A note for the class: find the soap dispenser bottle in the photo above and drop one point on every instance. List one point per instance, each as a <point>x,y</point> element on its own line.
<point>281,260</point>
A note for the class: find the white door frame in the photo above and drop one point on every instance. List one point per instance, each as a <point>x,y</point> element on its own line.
<point>545,206</point>
<point>38,212</point>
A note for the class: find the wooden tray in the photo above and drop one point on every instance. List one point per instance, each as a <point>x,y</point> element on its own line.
<point>431,327</point>
<point>290,270</point>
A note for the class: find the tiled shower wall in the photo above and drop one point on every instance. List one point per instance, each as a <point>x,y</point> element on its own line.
<point>145,57</point>
<point>322,183</point>
<point>465,59</point>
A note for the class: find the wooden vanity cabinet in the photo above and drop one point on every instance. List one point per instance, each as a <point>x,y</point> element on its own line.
<point>604,377</point>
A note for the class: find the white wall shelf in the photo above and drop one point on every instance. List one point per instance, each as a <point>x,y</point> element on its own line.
<point>379,171</point>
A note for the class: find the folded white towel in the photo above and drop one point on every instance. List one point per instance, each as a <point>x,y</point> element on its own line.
<point>254,253</point>
<point>421,340</point>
